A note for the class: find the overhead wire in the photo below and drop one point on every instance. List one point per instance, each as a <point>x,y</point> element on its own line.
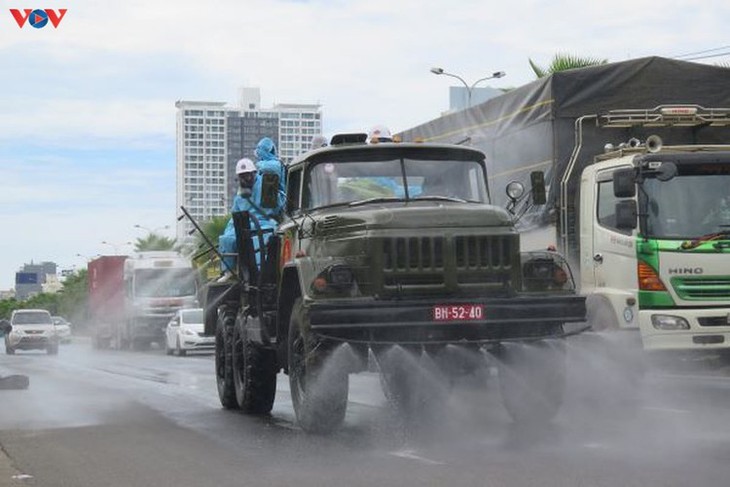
<point>700,52</point>
<point>709,56</point>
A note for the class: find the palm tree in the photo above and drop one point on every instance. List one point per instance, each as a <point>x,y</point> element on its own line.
<point>212,229</point>
<point>154,241</point>
<point>562,62</point>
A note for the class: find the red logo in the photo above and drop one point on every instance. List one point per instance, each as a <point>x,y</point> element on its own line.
<point>38,18</point>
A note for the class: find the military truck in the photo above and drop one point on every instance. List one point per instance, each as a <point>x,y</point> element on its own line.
<point>389,249</point>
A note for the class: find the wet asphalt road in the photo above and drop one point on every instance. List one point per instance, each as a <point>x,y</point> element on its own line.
<point>109,418</point>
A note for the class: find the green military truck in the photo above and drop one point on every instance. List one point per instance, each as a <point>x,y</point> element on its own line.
<point>385,250</point>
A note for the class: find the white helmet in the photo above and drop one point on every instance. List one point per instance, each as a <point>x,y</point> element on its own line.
<point>379,133</point>
<point>318,141</point>
<point>245,165</point>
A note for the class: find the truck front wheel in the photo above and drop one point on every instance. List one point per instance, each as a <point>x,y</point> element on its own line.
<point>224,359</point>
<point>254,373</point>
<point>318,389</point>
<point>532,379</point>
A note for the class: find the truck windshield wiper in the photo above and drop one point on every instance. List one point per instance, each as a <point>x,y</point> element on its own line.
<point>442,198</point>
<point>377,199</point>
<point>721,235</point>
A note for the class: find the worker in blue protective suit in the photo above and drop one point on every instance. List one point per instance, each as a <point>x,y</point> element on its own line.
<point>248,198</point>
<point>266,158</point>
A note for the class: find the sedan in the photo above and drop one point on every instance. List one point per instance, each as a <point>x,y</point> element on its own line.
<point>184,333</point>
<point>63,328</point>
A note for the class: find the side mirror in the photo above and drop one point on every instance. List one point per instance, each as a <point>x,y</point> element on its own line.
<point>626,215</point>
<point>270,191</point>
<point>537,181</point>
<point>624,183</point>
<point>5,326</point>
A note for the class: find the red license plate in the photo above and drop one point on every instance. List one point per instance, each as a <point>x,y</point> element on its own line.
<point>458,312</point>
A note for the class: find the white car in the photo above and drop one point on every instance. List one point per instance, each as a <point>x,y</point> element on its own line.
<point>63,328</point>
<point>32,330</point>
<point>184,333</point>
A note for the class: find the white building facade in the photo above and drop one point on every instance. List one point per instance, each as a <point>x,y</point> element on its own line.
<point>201,162</point>
<point>206,156</point>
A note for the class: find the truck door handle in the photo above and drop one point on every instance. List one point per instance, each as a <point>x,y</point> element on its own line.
<point>598,258</point>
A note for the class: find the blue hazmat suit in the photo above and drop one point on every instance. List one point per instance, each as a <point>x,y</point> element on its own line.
<point>266,159</point>
<point>266,217</point>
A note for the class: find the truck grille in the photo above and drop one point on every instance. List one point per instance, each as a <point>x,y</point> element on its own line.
<point>706,288</point>
<point>414,253</point>
<point>438,264</point>
<point>483,252</point>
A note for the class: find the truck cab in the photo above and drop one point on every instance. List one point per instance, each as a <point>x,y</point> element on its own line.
<point>157,284</point>
<point>666,268</point>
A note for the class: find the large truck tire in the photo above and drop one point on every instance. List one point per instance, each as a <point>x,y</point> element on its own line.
<point>254,373</point>
<point>224,359</point>
<point>532,379</point>
<point>319,393</point>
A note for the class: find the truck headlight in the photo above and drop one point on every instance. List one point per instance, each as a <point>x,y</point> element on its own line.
<point>669,322</point>
<point>337,278</point>
<point>544,271</point>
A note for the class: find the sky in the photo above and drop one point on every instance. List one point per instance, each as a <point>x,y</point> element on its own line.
<point>87,109</point>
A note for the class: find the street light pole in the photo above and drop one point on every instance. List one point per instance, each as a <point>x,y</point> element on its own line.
<point>469,88</point>
<point>115,246</point>
<point>149,230</point>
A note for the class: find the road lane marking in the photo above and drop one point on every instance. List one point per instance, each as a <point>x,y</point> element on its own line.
<point>667,410</point>
<point>411,455</point>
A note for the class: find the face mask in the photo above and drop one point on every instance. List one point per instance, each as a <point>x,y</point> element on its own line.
<point>246,181</point>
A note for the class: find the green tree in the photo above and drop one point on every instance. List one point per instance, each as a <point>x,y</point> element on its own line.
<point>154,241</point>
<point>212,229</point>
<point>47,301</point>
<point>73,297</point>
<point>563,62</point>
<point>7,306</point>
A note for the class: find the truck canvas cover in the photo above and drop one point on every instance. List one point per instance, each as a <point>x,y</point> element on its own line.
<point>533,127</point>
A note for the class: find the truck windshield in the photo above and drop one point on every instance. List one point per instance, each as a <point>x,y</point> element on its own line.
<point>693,204</point>
<point>164,283</point>
<point>332,183</point>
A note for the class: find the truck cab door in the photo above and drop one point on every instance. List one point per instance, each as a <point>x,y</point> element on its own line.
<point>613,254</point>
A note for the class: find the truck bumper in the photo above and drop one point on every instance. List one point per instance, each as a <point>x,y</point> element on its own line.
<point>708,329</point>
<point>414,321</point>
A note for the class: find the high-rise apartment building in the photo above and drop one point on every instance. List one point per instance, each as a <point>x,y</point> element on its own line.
<point>201,161</point>
<point>244,130</point>
<point>212,137</point>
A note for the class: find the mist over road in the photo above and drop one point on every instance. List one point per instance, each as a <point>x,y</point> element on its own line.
<point>107,418</point>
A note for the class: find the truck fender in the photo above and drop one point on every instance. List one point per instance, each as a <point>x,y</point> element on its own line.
<point>600,313</point>
<point>289,290</point>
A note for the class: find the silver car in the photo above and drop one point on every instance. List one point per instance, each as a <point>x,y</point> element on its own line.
<point>63,328</point>
<point>32,330</point>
